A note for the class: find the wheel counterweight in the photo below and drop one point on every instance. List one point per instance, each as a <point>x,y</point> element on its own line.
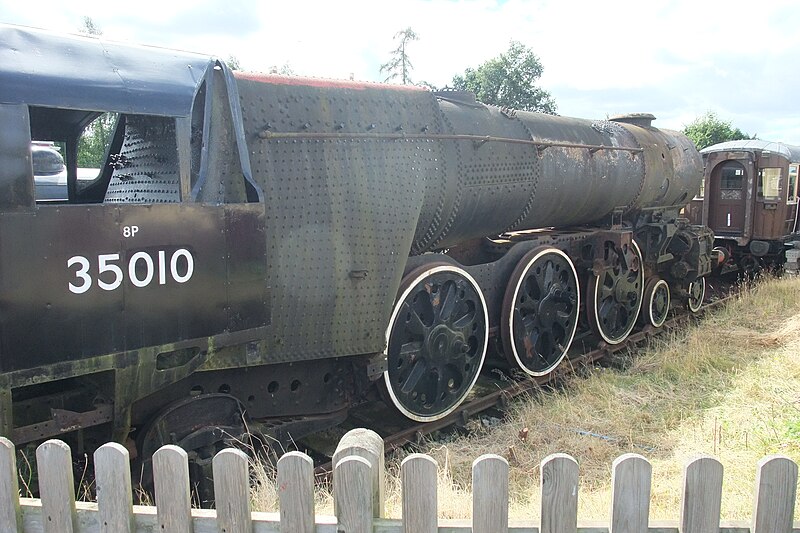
<point>614,297</point>
<point>436,341</point>
<point>540,311</point>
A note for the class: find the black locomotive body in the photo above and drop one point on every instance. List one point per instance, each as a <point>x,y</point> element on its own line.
<point>276,247</point>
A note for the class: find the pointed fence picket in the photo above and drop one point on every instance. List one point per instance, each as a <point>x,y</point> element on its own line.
<point>359,502</point>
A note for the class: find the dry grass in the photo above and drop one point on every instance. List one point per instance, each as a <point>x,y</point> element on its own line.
<point>729,386</point>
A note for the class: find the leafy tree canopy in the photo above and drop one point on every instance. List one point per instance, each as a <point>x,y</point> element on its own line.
<point>399,66</point>
<point>709,129</point>
<point>509,80</point>
<point>95,139</point>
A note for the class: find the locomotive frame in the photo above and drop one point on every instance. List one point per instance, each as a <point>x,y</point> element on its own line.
<point>267,249</point>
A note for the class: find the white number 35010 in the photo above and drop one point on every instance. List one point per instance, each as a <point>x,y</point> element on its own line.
<point>181,268</point>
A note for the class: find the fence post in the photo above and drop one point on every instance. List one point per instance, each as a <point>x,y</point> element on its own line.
<point>56,487</point>
<point>112,476</point>
<point>173,501</point>
<point>353,494</point>
<point>776,489</point>
<point>630,494</point>
<point>296,492</point>
<point>559,487</point>
<point>490,494</point>
<point>418,477</point>
<point>369,445</point>
<point>10,514</point>
<point>232,491</point>
<point>702,496</point>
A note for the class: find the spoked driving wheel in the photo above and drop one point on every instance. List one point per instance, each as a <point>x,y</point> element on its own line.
<point>656,302</point>
<point>202,425</point>
<point>540,311</point>
<point>436,341</point>
<point>697,292</point>
<point>615,296</point>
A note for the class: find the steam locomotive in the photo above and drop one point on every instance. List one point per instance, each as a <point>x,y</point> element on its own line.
<point>269,250</point>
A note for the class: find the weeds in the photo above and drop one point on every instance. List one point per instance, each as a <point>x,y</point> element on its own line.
<point>727,386</point>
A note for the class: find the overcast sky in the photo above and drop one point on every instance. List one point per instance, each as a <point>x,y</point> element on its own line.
<point>676,59</point>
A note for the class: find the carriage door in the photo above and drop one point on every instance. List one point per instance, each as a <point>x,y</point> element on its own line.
<point>791,201</point>
<point>727,198</point>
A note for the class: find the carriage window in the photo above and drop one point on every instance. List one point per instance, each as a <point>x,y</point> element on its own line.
<point>701,194</point>
<point>732,176</point>
<point>792,197</point>
<point>769,183</point>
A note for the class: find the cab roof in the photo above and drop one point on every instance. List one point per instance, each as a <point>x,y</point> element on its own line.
<point>43,68</point>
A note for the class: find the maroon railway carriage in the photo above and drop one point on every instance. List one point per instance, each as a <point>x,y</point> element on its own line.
<point>749,200</point>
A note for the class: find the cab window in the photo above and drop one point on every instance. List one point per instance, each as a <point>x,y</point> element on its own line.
<point>48,156</point>
<point>93,145</point>
<point>49,171</point>
<point>108,157</point>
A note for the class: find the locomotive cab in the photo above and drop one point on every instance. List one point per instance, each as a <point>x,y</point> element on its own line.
<point>134,277</point>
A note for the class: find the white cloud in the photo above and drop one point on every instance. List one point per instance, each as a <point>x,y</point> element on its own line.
<point>676,58</point>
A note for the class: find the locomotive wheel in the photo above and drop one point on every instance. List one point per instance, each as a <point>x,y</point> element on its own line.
<point>436,341</point>
<point>750,266</point>
<point>201,425</point>
<point>540,311</point>
<point>656,302</point>
<point>697,291</point>
<point>614,298</point>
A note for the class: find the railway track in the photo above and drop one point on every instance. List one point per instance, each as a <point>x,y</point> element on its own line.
<point>492,394</point>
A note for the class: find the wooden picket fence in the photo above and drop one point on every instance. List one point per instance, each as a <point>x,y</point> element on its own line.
<point>359,498</point>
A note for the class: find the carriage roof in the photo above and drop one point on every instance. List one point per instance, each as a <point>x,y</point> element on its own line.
<point>792,153</point>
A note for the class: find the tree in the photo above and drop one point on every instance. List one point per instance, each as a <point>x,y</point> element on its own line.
<point>233,62</point>
<point>399,66</point>
<point>509,80</point>
<point>94,141</point>
<point>429,85</point>
<point>709,129</point>
<point>90,28</point>
<point>285,70</point>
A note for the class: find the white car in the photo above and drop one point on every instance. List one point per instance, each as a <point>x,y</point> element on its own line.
<point>50,173</point>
